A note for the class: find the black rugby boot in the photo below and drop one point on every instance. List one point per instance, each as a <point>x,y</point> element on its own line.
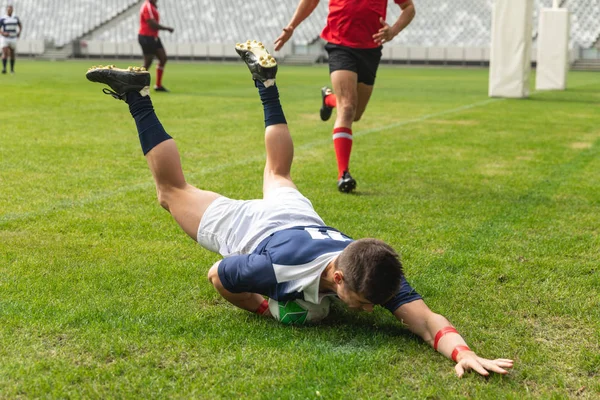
<point>346,183</point>
<point>325,111</point>
<point>121,81</point>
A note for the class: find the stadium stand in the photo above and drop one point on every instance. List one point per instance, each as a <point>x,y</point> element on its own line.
<point>457,29</point>
<point>63,21</point>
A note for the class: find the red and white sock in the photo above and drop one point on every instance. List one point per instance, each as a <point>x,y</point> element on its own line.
<point>342,143</point>
<point>159,74</point>
<point>331,100</point>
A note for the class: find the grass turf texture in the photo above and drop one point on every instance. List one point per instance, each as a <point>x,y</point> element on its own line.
<point>492,203</point>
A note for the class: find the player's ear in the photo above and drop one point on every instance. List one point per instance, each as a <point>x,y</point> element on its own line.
<point>338,277</point>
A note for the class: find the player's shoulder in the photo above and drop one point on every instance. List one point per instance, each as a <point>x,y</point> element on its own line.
<point>302,245</point>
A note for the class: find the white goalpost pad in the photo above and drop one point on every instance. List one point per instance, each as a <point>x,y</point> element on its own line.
<point>510,53</point>
<point>553,49</point>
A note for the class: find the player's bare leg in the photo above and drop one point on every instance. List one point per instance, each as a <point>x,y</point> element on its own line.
<point>148,58</point>
<point>186,203</point>
<point>345,87</point>
<point>364,95</point>
<point>161,55</point>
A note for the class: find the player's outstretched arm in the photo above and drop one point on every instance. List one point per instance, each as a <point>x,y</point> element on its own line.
<point>436,330</point>
<point>304,9</point>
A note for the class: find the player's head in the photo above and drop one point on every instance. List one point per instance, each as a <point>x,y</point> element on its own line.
<point>9,9</point>
<point>368,272</point>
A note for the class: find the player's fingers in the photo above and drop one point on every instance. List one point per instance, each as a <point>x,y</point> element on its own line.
<point>459,370</point>
<point>382,21</point>
<point>475,366</point>
<point>494,367</point>
<point>504,364</point>
<point>504,360</point>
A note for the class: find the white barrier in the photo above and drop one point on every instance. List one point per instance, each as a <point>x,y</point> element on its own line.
<point>30,47</point>
<point>553,49</point>
<point>510,57</point>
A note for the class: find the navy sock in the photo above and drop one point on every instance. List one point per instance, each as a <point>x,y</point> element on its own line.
<point>4,64</point>
<point>271,105</point>
<point>150,130</point>
<point>12,64</point>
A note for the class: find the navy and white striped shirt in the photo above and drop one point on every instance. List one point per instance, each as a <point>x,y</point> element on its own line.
<point>288,264</point>
<point>10,25</point>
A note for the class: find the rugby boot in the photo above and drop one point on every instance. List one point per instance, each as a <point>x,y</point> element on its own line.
<point>161,89</point>
<point>121,81</point>
<point>261,64</point>
<point>325,111</point>
<point>346,183</point>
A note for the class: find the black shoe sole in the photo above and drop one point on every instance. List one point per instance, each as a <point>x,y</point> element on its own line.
<point>133,79</point>
<point>347,186</point>
<point>261,64</point>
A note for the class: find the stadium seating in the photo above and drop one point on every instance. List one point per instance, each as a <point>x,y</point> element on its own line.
<point>441,26</point>
<point>63,21</point>
<point>461,23</point>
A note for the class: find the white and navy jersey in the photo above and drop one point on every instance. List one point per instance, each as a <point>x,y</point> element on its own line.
<point>288,264</point>
<point>10,25</point>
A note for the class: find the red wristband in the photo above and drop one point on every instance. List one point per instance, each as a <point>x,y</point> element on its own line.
<point>442,332</point>
<point>264,306</point>
<point>458,349</point>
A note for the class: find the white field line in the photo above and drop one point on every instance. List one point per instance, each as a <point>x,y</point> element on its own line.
<point>63,205</point>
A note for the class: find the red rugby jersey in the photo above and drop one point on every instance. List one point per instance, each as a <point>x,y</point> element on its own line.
<point>353,23</point>
<point>148,11</point>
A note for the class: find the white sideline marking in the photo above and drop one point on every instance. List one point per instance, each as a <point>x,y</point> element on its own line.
<point>63,205</point>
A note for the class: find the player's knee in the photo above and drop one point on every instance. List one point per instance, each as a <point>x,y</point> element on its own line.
<point>347,111</point>
<point>163,198</point>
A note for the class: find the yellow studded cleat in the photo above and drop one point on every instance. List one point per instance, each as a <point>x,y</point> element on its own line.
<point>261,64</point>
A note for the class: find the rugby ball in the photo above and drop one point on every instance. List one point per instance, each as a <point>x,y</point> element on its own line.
<point>299,312</point>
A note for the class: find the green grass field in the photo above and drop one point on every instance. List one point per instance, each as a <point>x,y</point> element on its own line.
<point>494,205</point>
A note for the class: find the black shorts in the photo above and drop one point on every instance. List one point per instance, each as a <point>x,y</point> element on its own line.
<point>149,44</point>
<point>362,61</point>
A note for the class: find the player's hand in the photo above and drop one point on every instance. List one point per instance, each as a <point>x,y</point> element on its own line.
<point>385,33</point>
<point>286,34</point>
<point>170,30</point>
<point>470,361</point>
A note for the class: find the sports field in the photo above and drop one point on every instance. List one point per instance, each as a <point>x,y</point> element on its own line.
<point>494,205</point>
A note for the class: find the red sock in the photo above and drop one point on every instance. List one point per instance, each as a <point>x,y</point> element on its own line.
<point>330,100</point>
<point>159,73</point>
<point>342,143</point>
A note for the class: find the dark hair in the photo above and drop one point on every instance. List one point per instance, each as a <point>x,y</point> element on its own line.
<point>371,268</point>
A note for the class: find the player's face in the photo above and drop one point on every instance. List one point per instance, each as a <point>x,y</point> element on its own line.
<point>353,299</point>
<point>9,10</point>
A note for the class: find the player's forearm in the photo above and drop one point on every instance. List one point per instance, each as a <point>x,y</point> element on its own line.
<point>404,19</point>
<point>304,9</point>
<point>246,301</point>
<point>156,26</point>
<point>429,325</point>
